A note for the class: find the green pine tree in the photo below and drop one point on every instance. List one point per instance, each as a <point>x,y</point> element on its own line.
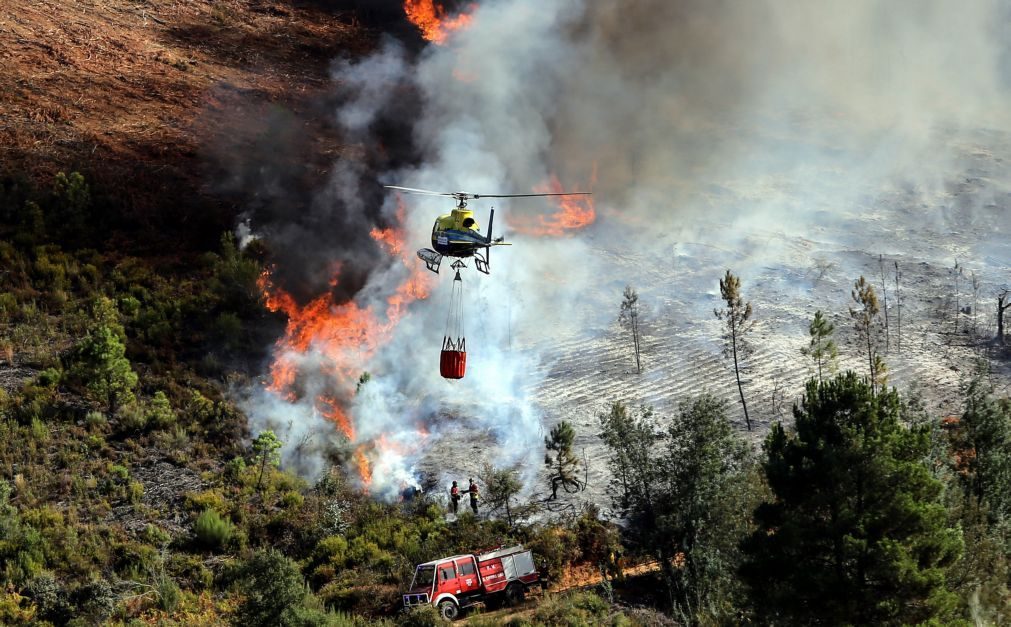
<point>629,440</point>
<point>102,365</point>
<point>266,450</point>
<point>986,429</point>
<point>865,317</point>
<point>502,486</point>
<point>822,348</point>
<point>856,532</point>
<point>703,509</point>
<point>563,463</point>
<point>737,317</point>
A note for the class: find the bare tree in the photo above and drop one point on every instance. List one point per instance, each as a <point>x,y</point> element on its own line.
<point>975,303</point>
<point>864,316</point>
<point>737,316</point>
<point>884,300</point>
<point>898,310</point>
<point>1002,305</point>
<point>823,266</point>
<point>629,317</point>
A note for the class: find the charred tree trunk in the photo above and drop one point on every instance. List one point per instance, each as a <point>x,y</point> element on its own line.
<point>737,373</point>
<point>635,340</point>
<point>956,272</point>
<point>898,310</point>
<point>1002,306</point>
<point>884,301</point>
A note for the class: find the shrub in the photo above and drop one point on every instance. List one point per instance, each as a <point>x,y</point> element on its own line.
<point>8,306</point>
<point>235,468</point>
<point>49,596</point>
<point>582,608</point>
<point>131,418</point>
<point>168,592</point>
<point>273,590</point>
<point>95,601</point>
<point>96,420</point>
<point>213,531</point>
<point>129,306</point>
<point>422,616</point>
<point>228,329</point>
<point>189,570</point>
<point>159,412</point>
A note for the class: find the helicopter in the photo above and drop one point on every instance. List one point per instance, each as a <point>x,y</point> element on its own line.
<point>457,234</point>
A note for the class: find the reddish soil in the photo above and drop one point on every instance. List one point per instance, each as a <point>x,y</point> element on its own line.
<point>132,92</point>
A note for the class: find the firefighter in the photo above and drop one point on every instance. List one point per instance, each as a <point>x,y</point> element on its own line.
<point>544,574</point>
<point>474,496</point>
<point>454,498</point>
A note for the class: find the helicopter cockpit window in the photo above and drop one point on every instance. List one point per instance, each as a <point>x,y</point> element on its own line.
<point>468,223</point>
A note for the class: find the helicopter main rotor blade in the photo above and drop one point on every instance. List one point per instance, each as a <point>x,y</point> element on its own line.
<point>531,195</point>
<point>413,190</point>
<point>468,195</point>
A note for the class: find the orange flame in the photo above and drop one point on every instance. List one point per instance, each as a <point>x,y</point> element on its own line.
<point>574,212</point>
<point>344,336</point>
<point>430,18</point>
<point>362,464</point>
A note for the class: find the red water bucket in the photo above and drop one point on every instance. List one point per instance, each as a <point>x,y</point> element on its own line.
<point>453,364</point>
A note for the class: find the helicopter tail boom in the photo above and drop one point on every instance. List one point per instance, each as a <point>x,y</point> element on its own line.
<point>483,262</point>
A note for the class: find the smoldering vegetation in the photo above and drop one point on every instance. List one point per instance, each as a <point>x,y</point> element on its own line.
<point>695,124</point>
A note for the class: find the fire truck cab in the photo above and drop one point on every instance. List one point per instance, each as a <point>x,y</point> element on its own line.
<point>454,583</point>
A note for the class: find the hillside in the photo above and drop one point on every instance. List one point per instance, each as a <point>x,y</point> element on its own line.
<point>143,97</point>
<point>220,400</point>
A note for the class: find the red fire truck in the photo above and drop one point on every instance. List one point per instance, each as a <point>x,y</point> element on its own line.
<point>454,583</point>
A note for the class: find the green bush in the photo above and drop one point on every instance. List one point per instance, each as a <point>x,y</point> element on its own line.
<point>8,307</point>
<point>49,597</point>
<point>131,418</point>
<point>213,531</point>
<point>48,378</point>
<point>274,591</point>
<point>189,570</point>
<point>129,306</point>
<point>422,616</point>
<point>573,610</point>
<point>95,601</point>
<point>159,412</point>
<point>96,420</point>
<point>167,591</point>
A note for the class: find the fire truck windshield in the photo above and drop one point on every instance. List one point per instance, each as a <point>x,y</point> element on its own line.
<point>423,577</point>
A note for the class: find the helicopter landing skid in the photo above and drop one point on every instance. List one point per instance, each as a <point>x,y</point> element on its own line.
<point>481,263</point>
<point>431,258</point>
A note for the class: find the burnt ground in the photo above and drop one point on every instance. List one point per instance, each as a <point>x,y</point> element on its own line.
<point>143,96</point>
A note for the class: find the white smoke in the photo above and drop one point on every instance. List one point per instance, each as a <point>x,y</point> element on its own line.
<point>708,121</point>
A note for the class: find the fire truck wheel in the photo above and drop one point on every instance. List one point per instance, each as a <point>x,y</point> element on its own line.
<point>449,610</point>
<point>515,593</point>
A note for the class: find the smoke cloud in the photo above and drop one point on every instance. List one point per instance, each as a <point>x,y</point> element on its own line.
<point>710,122</point>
